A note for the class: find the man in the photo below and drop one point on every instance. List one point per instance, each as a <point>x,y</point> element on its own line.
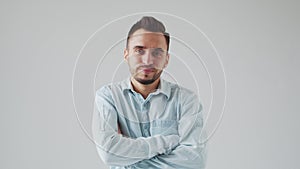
<point>145,121</point>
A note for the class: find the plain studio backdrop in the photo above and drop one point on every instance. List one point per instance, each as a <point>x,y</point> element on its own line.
<point>257,42</point>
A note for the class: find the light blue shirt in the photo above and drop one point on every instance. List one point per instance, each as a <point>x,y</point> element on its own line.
<point>162,131</point>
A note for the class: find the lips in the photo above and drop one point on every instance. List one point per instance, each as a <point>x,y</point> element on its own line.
<point>148,70</point>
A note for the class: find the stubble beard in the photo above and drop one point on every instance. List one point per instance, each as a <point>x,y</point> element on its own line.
<point>148,81</point>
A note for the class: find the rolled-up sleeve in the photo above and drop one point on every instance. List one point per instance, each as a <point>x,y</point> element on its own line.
<point>115,149</point>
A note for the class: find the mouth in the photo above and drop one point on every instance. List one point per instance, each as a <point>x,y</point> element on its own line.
<point>147,70</point>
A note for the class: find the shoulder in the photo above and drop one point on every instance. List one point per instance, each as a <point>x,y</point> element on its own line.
<point>180,91</point>
<point>107,90</point>
<point>104,90</point>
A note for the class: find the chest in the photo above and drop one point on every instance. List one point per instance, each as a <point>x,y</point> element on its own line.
<point>143,118</point>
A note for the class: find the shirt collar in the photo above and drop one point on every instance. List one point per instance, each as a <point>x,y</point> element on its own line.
<point>164,87</point>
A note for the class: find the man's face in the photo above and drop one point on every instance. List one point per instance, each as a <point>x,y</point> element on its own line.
<point>146,55</point>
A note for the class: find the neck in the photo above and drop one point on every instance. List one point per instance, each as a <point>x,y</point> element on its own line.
<point>144,90</point>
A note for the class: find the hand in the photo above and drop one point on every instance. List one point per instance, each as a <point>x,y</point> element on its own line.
<point>119,130</point>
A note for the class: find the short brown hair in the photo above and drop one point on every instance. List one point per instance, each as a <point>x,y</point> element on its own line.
<point>151,24</point>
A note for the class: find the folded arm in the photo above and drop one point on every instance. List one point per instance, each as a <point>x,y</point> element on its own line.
<point>117,150</point>
<point>191,152</point>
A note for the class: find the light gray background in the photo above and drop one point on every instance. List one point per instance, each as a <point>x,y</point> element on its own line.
<point>258,42</point>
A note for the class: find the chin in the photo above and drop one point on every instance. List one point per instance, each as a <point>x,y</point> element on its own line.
<point>145,81</point>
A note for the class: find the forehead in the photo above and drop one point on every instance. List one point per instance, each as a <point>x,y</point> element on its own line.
<point>147,39</point>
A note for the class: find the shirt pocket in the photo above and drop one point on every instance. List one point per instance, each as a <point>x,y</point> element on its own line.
<point>164,127</point>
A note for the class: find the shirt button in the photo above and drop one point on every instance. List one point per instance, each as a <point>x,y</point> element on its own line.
<point>147,104</point>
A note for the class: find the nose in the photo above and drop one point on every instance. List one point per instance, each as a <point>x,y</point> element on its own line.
<point>147,58</point>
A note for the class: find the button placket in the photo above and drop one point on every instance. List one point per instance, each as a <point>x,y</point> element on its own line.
<point>145,117</point>
<point>146,129</point>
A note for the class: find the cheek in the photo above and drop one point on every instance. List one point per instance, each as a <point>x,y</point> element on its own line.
<point>161,63</point>
<point>132,62</point>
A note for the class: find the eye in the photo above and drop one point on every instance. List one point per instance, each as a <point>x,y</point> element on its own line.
<point>140,51</point>
<point>157,53</point>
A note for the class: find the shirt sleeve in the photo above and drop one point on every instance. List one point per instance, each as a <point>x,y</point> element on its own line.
<point>115,149</point>
<point>191,152</point>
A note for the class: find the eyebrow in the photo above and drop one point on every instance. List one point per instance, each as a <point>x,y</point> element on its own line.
<point>139,47</point>
<point>143,47</point>
<point>160,49</point>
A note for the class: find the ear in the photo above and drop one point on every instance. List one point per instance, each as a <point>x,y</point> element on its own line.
<point>167,60</point>
<point>126,53</point>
